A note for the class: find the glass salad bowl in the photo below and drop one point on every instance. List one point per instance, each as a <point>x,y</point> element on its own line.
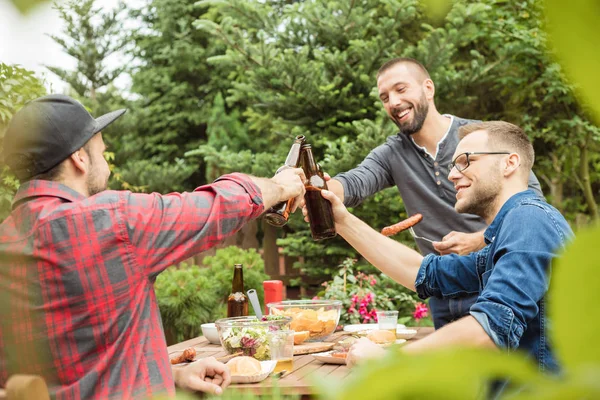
<point>249,335</point>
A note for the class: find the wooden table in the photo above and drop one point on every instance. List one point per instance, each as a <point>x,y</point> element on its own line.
<point>298,381</point>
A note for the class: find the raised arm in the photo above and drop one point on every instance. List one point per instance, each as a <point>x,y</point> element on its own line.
<point>392,258</point>
<point>166,229</point>
<point>369,177</point>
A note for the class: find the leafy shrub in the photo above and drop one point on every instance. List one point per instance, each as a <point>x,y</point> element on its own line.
<point>190,295</point>
<point>362,294</point>
<point>186,298</point>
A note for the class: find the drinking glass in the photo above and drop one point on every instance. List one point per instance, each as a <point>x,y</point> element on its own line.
<point>281,344</point>
<point>388,321</point>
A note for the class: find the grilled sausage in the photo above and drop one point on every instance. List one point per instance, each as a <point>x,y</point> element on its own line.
<point>188,355</point>
<point>402,225</point>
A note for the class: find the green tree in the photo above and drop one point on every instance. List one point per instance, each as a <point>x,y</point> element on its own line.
<point>180,98</point>
<point>91,36</point>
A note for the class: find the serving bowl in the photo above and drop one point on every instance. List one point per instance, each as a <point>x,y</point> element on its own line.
<point>319,317</point>
<point>249,335</point>
<point>209,331</point>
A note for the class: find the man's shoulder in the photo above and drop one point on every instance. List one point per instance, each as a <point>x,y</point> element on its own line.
<point>391,143</point>
<point>458,121</point>
<point>533,212</point>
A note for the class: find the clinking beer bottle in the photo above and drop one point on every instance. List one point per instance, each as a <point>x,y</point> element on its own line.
<point>278,214</point>
<point>320,214</point>
<point>237,302</point>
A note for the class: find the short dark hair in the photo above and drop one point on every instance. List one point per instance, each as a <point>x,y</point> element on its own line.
<point>51,175</point>
<point>504,136</point>
<point>403,60</point>
<point>54,174</point>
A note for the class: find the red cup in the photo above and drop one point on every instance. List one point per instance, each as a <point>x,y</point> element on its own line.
<point>273,293</point>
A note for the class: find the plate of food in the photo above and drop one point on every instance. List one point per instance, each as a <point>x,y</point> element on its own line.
<point>246,369</point>
<point>332,357</point>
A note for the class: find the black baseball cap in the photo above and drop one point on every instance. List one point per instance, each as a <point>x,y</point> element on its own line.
<point>46,131</point>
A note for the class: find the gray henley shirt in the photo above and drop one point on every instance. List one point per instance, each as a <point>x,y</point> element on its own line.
<point>422,181</point>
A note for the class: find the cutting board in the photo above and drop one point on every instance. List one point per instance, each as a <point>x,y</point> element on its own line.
<point>312,347</point>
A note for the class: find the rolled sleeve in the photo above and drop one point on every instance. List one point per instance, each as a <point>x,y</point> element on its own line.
<point>497,320</point>
<point>423,290</point>
<point>253,190</point>
<point>447,276</point>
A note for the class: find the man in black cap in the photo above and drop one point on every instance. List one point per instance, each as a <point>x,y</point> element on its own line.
<point>78,262</point>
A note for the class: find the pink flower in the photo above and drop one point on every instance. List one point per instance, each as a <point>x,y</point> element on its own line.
<point>420,311</point>
<point>316,298</point>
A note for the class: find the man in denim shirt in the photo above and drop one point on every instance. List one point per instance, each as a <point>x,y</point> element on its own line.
<point>490,171</point>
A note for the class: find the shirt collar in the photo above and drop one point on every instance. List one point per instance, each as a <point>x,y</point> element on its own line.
<point>437,149</point>
<point>512,202</point>
<point>41,188</point>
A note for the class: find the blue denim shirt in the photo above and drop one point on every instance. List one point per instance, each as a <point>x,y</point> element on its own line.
<point>511,275</point>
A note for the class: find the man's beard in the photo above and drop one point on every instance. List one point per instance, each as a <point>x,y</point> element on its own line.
<point>483,198</point>
<point>419,111</point>
<point>93,184</point>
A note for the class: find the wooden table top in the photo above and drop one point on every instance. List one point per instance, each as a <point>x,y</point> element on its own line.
<point>299,381</point>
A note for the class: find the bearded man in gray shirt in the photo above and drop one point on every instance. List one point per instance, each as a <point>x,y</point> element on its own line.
<point>415,161</point>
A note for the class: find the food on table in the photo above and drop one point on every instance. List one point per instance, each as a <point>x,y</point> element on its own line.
<point>319,323</point>
<point>249,335</point>
<point>402,225</point>
<point>188,355</point>
<point>300,337</point>
<point>339,354</point>
<point>344,345</point>
<point>381,337</point>
<point>244,366</point>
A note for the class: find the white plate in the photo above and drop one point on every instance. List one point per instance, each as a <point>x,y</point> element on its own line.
<point>369,327</point>
<point>267,368</point>
<point>405,333</point>
<point>327,358</point>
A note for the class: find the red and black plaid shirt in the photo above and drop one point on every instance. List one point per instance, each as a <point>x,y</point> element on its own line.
<point>77,302</point>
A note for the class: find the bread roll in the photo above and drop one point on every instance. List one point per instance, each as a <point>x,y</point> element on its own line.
<point>244,366</point>
<point>381,337</point>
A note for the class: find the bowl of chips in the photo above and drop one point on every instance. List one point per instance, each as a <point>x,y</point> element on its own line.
<point>319,317</point>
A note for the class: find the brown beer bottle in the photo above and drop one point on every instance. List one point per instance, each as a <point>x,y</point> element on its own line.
<point>278,214</point>
<point>237,302</point>
<point>320,214</point>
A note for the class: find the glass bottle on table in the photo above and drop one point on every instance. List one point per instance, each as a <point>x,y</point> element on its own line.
<point>319,210</point>
<point>237,302</point>
<point>278,214</point>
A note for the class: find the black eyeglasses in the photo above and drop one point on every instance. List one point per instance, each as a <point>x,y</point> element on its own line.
<point>462,162</point>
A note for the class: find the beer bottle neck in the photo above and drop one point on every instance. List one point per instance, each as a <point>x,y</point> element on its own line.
<point>293,157</point>
<point>238,279</point>
<point>309,164</point>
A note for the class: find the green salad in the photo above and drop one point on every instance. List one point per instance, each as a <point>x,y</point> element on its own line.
<point>253,341</point>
